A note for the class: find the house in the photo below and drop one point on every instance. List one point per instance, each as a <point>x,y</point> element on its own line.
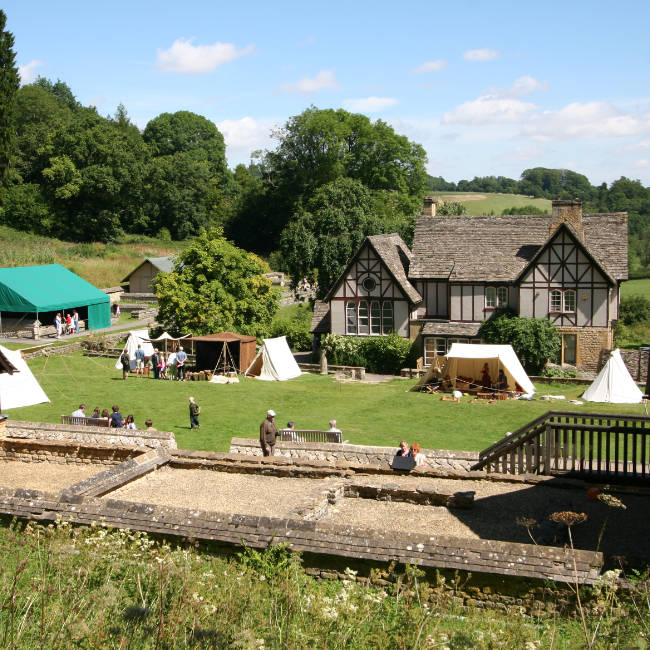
<point>566,266</point>
<point>140,279</point>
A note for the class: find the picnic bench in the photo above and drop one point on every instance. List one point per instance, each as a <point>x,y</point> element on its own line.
<point>309,435</point>
<point>93,422</point>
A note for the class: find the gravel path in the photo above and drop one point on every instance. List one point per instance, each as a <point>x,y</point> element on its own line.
<point>50,477</point>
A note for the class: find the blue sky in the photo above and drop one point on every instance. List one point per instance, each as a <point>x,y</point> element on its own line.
<point>486,87</point>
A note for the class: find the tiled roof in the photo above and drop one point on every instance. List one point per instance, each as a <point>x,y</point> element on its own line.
<point>449,328</point>
<point>498,248</point>
<point>320,322</point>
<point>162,263</point>
<point>395,254</point>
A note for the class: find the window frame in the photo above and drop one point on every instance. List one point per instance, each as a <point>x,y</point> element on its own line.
<point>558,303</point>
<point>493,299</point>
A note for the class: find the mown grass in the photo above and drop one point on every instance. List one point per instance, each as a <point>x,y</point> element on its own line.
<point>90,587</point>
<point>485,203</point>
<point>640,287</point>
<point>103,265</point>
<point>370,414</point>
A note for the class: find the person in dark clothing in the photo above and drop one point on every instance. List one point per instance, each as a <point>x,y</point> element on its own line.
<point>126,364</point>
<point>115,419</point>
<point>404,449</point>
<point>268,432</point>
<point>156,363</point>
<point>195,410</point>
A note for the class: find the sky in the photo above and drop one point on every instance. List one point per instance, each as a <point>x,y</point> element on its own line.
<point>487,88</point>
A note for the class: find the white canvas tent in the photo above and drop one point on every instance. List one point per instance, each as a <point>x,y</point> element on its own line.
<point>274,361</point>
<point>136,337</point>
<point>20,388</point>
<point>614,384</point>
<point>467,360</point>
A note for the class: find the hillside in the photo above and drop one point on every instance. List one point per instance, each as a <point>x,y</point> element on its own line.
<point>486,203</point>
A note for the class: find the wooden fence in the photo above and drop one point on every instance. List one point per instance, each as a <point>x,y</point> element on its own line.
<point>603,445</point>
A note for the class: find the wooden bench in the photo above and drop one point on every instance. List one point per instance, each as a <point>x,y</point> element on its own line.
<point>309,435</point>
<point>93,422</point>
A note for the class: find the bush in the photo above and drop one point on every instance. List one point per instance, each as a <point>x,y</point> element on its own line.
<point>634,309</point>
<point>380,354</point>
<point>534,340</point>
<point>297,333</point>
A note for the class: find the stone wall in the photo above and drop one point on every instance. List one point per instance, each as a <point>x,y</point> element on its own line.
<point>90,435</point>
<point>46,451</point>
<point>441,460</point>
<point>591,341</point>
<point>636,361</point>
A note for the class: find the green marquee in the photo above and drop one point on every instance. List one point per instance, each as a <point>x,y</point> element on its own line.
<point>52,288</point>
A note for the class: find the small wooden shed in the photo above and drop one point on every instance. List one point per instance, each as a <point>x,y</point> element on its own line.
<point>228,350</point>
<point>142,276</point>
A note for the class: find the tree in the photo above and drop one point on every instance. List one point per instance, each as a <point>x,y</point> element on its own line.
<point>9,83</point>
<point>452,208</point>
<point>534,340</point>
<point>216,286</point>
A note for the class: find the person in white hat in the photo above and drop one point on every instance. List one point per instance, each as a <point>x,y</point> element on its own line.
<point>268,432</point>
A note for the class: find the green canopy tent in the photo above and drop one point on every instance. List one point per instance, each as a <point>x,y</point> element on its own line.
<point>52,288</point>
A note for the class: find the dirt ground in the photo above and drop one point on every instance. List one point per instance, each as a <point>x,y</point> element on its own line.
<point>50,477</point>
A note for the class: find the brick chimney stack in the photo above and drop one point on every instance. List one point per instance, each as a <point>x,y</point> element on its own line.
<point>429,208</point>
<point>569,211</point>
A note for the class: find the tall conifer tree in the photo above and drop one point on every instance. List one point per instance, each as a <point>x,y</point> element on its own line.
<point>9,83</point>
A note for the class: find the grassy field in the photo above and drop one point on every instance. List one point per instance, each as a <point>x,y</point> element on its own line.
<point>639,287</point>
<point>103,265</point>
<point>480,203</point>
<point>371,414</point>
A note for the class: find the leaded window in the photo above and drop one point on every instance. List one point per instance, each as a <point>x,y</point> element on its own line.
<point>363,317</point>
<point>375,317</point>
<point>351,317</point>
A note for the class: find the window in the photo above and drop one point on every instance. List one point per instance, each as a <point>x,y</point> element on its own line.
<point>369,284</point>
<point>433,347</point>
<point>351,317</point>
<point>569,344</point>
<point>496,297</point>
<point>375,317</point>
<point>363,317</point>
<point>387,325</point>
<point>563,301</point>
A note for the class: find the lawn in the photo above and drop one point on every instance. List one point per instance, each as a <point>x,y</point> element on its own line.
<point>370,414</point>
<point>485,203</point>
<point>640,287</point>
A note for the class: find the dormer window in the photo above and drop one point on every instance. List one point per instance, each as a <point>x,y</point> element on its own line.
<point>496,297</point>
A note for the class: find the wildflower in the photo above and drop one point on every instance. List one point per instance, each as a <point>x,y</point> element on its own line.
<point>210,608</point>
<point>568,518</point>
<point>611,501</point>
<point>330,612</point>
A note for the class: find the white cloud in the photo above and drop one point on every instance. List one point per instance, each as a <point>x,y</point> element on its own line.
<point>98,101</point>
<point>245,136</point>
<point>489,109</point>
<point>522,154</point>
<point>643,163</point>
<point>369,104</point>
<point>588,120</point>
<point>27,72</point>
<point>324,79</point>
<point>642,145</point>
<point>483,54</point>
<point>185,58</point>
<point>431,66</point>
<point>526,85</point>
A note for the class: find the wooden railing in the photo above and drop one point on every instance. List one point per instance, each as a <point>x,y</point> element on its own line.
<point>309,435</point>
<point>609,446</point>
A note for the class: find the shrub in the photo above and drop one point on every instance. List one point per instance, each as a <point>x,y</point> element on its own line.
<point>634,309</point>
<point>297,333</point>
<point>343,350</point>
<point>381,354</point>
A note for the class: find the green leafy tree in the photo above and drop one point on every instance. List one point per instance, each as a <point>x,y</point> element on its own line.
<point>534,340</point>
<point>451,208</point>
<point>216,286</point>
<point>634,309</point>
<point>9,83</point>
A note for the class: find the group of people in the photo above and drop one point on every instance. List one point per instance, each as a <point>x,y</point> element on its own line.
<point>66,324</point>
<point>269,432</point>
<point>114,418</point>
<point>164,365</point>
<point>412,451</point>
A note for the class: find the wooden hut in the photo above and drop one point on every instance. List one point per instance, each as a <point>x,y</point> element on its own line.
<point>224,352</point>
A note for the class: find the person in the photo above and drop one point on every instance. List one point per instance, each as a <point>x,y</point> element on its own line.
<point>68,324</point>
<point>75,321</point>
<point>149,425</point>
<point>80,412</point>
<point>171,366</point>
<point>333,428</point>
<point>268,433</point>
<point>139,361</point>
<point>502,381</point>
<point>126,364</point>
<point>181,358</point>
<point>117,310</point>
<point>195,411</point>
<point>57,325</point>
<point>105,415</point>
<point>415,453</point>
<point>115,418</point>
<point>403,449</point>
<point>155,362</point>
<point>96,415</point>
<point>130,423</point>
<point>163,366</point>
<point>291,427</point>
<point>486,382</point>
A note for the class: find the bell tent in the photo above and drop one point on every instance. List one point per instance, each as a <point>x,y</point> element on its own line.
<point>274,361</point>
<point>19,388</point>
<point>136,337</point>
<point>614,384</point>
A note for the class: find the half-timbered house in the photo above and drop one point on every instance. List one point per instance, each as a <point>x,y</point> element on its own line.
<point>566,266</point>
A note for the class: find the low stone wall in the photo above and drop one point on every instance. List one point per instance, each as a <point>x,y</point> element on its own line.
<point>636,361</point>
<point>90,435</point>
<point>441,460</point>
<point>46,451</point>
<point>53,350</point>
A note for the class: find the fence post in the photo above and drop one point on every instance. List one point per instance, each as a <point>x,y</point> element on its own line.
<point>548,431</point>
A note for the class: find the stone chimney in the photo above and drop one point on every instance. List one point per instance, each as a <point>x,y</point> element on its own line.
<point>569,211</point>
<point>429,208</point>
